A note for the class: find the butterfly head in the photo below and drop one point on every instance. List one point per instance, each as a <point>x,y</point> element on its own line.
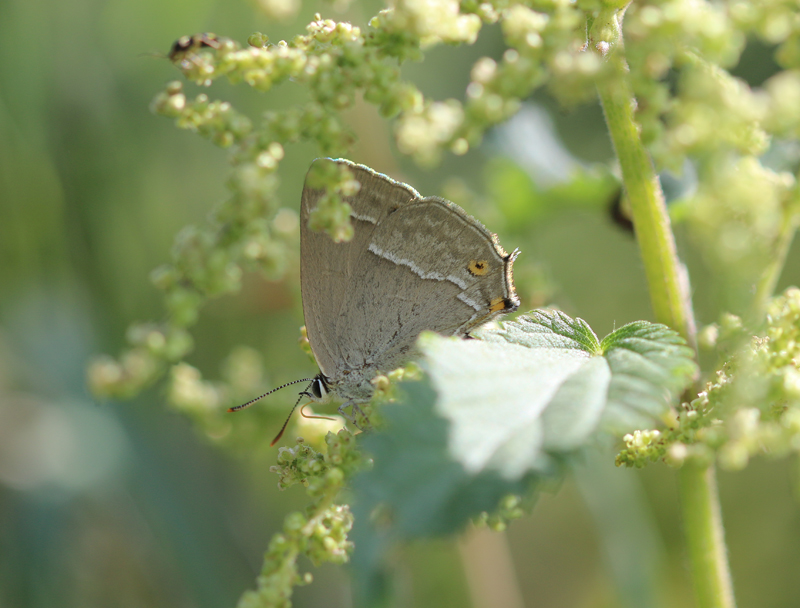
<point>319,389</point>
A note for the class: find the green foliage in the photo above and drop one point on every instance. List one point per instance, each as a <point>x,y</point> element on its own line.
<point>544,383</point>
<point>498,414</point>
<point>336,62</point>
<point>647,362</point>
<point>523,203</point>
<point>751,407</point>
<point>415,487</point>
<point>320,532</point>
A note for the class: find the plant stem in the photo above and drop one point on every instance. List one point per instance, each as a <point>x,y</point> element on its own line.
<point>489,569</point>
<point>702,522</point>
<point>668,287</point>
<point>663,270</point>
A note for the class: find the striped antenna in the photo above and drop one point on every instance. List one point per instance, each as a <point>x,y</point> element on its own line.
<point>288,418</point>
<point>252,401</point>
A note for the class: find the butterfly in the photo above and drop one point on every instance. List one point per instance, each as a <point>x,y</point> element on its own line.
<point>414,263</point>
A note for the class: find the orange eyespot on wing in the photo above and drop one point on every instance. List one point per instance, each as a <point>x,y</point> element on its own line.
<point>478,267</point>
<point>498,304</point>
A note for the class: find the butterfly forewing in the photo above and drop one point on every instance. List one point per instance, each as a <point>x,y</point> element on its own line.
<point>414,264</point>
<point>327,268</point>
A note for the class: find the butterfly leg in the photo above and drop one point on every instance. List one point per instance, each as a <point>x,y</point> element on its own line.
<point>351,417</point>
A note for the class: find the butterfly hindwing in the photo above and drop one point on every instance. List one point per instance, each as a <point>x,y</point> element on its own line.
<point>413,264</point>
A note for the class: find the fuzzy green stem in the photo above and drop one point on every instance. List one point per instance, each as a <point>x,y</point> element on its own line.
<point>669,297</point>
<point>663,270</point>
<point>702,522</point>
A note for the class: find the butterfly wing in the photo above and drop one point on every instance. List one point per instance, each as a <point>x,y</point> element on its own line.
<point>432,267</point>
<point>328,269</point>
<point>414,264</point>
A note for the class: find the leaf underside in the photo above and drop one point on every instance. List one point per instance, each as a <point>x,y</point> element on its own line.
<point>497,414</point>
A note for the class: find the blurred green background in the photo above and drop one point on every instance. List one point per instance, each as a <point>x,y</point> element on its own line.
<point>126,504</point>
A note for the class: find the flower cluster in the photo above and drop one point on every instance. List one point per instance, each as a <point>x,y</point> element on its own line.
<point>689,108</point>
<point>318,471</point>
<point>320,532</point>
<point>152,346</point>
<point>751,408</point>
<point>335,62</point>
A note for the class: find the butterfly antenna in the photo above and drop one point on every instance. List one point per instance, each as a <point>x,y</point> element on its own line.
<point>252,401</point>
<point>288,418</point>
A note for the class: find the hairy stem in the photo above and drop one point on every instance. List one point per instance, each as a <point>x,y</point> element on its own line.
<point>489,567</point>
<point>663,270</point>
<point>668,287</point>
<point>702,522</point>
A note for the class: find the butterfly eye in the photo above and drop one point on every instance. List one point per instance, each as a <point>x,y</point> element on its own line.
<point>318,388</point>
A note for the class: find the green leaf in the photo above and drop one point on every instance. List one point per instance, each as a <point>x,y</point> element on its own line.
<point>650,365</point>
<point>544,383</point>
<point>497,414</point>
<point>494,393</point>
<point>424,492</point>
<point>522,201</point>
<point>545,329</point>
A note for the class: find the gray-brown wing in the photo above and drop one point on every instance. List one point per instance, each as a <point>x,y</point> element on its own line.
<point>426,266</point>
<point>328,269</point>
